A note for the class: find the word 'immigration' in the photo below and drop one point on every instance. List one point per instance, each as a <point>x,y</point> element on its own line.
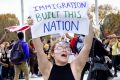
<point>61,6</point>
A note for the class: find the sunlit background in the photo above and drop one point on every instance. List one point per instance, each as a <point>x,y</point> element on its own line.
<point>14,6</point>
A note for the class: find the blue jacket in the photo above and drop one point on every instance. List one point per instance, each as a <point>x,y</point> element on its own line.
<point>25,48</point>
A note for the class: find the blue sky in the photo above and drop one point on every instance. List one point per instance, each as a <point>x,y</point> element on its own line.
<point>13,6</point>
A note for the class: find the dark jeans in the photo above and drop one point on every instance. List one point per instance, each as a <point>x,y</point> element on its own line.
<point>114,63</point>
<point>1,73</point>
<point>1,77</point>
<point>11,72</point>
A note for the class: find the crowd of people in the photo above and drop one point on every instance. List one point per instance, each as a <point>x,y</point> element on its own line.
<point>11,71</point>
<point>107,50</point>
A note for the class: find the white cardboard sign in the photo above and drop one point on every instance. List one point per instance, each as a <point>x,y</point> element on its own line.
<point>59,16</point>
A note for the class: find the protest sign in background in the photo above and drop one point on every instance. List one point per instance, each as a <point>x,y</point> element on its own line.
<point>59,16</point>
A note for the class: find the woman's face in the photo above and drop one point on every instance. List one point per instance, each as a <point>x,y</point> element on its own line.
<point>61,52</point>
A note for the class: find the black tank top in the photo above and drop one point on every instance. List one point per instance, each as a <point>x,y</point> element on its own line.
<point>61,73</point>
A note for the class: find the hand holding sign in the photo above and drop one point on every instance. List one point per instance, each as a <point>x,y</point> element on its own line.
<point>89,14</point>
<point>59,17</point>
<point>29,21</point>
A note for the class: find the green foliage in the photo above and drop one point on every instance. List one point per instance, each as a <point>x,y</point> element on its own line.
<point>111,23</point>
<point>7,20</point>
<point>111,20</point>
<point>103,10</point>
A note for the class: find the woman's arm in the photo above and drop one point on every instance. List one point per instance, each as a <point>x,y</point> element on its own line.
<point>82,58</point>
<point>44,65</point>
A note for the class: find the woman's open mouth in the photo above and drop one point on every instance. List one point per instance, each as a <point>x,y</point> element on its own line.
<point>64,55</point>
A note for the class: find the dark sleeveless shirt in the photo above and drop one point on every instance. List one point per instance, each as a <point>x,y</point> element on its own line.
<point>61,73</point>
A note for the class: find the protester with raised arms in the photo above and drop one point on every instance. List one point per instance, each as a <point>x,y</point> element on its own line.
<point>62,70</point>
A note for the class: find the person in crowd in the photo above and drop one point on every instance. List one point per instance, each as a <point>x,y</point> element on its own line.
<point>62,70</point>
<point>97,55</point>
<point>1,63</point>
<point>5,61</point>
<point>32,59</point>
<point>118,51</point>
<point>118,58</point>
<point>24,65</point>
<point>108,58</point>
<point>72,41</point>
<point>114,44</point>
<point>46,46</point>
<point>1,41</point>
<point>10,67</point>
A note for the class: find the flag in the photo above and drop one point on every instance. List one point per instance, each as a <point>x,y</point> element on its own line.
<point>18,28</point>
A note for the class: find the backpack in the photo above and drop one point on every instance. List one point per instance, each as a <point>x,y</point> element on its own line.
<point>17,54</point>
<point>79,43</point>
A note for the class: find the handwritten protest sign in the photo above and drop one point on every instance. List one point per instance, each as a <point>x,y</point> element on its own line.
<point>59,16</point>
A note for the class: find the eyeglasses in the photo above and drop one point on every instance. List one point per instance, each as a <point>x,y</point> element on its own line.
<point>60,48</point>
